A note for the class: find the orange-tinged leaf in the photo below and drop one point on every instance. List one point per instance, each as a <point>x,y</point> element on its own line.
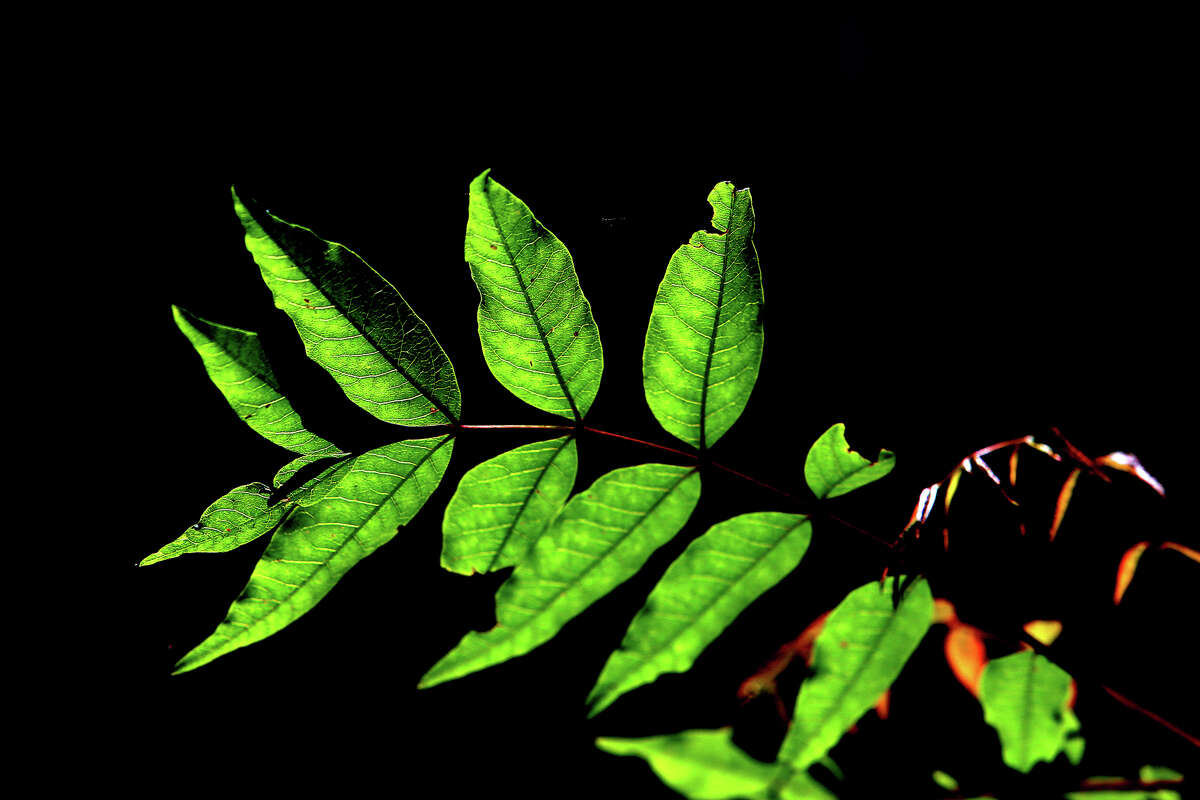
<point>1128,462</point>
<point>883,704</point>
<point>1041,448</point>
<point>1044,630</point>
<point>966,655</point>
<point>1125,570</point>
<point>1012,467</point>
<point>1194,555</point>
<point>944,612</point>
<point>952,485</point>
<point>1064,499</point>
<point>764,679</point>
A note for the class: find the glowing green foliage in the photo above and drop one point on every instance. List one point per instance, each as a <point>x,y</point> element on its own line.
<point>1024,697</point>
<point>503,505</point>
<point>858,654</point>
<point>705,339</point>
<point>236,363</point>
<point>535,325</point>
<point>601,538</point>
<point>707,765</point>
<point>353,322</point>
<point>316,546</point>
<point>832,468</point>
<point>239,517</point>
<point>702,592</point>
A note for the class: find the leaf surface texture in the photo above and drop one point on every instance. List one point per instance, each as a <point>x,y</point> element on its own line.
<point>1025,698</point>
<point>858,654</point>
<point>601,538</point>
<point>831,468</point>
<point>316,546</point>
<point>701,593</point>
<point>239,517</point>
<point>705,339</point>
<point>502,506</point>
<point>535,325</point>
<point>707,765</point>
<point>238,366</point>
<point>353,322</point>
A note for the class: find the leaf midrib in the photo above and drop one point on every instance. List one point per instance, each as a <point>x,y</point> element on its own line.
<point>712,340</point>
<point>487,196</point>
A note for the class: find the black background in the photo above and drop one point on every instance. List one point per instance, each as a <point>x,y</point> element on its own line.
<point>967,233</point>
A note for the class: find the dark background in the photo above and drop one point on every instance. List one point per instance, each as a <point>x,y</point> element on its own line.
<point>968,232</point>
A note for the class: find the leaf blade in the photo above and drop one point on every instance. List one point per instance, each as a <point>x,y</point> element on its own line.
<point>697,372</point>
<point>847,681</point>
<point>1025,698</point>
<point>707,765</point>
<point>238,517</point>
<point>353,322</point>
<point>719,574</point>
<point>832,469</point>
<point>545,348</point>
<point>316,546</point>
<point>502,506</point>
<point>601,538</point>
<point>237,365</point>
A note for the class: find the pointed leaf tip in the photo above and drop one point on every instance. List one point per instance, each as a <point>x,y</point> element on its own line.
<point>1125,570</point>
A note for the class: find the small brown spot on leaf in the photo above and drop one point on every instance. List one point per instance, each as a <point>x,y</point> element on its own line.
<point>843,644</point>
<point>492,246</point>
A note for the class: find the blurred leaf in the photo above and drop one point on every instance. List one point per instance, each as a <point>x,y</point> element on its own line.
<point>1044,630</point>
<point>1128,462</point>
<point>859,653</point>
<point>707,765</point>
<point>1024,697</point>
<point>1127,567</point>
<point>1064,499</point>
<point>966,654</point>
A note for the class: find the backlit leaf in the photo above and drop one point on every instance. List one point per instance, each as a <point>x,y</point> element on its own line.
<point>707,765</point>
<point>1187,551</point>
<point>601,538</point>
<point>1127,567</point>
<point>353,322</point>
<point>316,546</point>
<point>705,338</point>
<point>536,328</point>
<point>241,516</point>
<point>701,594</point>
<point>966,654</point>
<point>1064,499</point>
<point>1044,630</point>
<point>314,490</point>
<point>502,506</point>
<point>1128,462</point>
<point>1025,698</point>
<point>236,363</point>
<point>832,468</point>
<point>859,653</point>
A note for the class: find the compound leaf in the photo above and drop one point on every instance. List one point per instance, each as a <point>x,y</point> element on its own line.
<point>601,538</point>
<point>831,468</point>
<point>316,546</point>
<point>535,326</point>
<point>707,765</point>
<point>239,517</point>
<point>701,593</point>
<point>502,506</point>
<point>237,364</point>
<point>705,338</point>
<point>1025,698</point>
<point>353,322</point>
<point>859,653</point>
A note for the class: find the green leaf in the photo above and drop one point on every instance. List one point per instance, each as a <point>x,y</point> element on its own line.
<point>858,654</point>
<point>705,339</point>
<point>702,592</point>
<point>832,468</point>
<point>317,487</point>
<point>707,765</point>
<point>241,516</point>
<point>316,546</point>
<point>353,322</point>
<point>237,364</point>
<point>1024,697</point>
<point>502,506</point>
<point>535,325</point>
<point>601,538</point>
